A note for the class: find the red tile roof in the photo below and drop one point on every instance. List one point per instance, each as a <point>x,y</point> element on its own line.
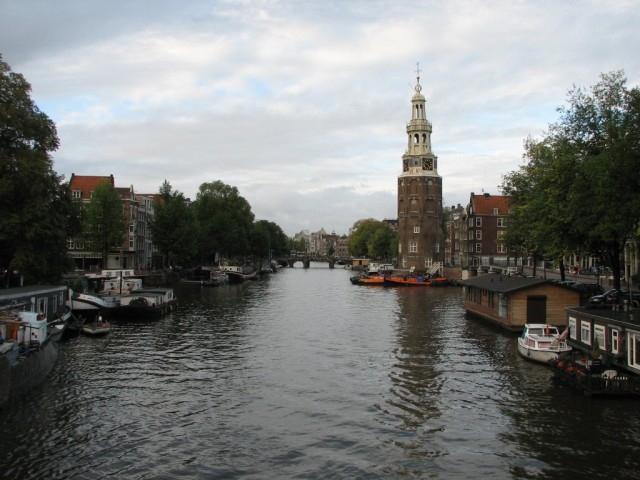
<point>484,204</point>
<point>87,184</point>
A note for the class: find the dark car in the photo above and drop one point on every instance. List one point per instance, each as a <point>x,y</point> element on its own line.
<point>614,296</point>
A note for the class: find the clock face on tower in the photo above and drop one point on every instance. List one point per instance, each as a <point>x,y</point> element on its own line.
<point>427,163</point>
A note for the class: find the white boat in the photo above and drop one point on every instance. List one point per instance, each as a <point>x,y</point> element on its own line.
<point>542,343</point>
<point>91,304</point>
<point>98,327</point>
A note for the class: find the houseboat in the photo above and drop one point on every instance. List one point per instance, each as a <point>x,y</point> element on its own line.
<point>28,349</point>
<point>606,358</point>
<point>146,303</point>
<point>239,274</point>
<point>512,302</point>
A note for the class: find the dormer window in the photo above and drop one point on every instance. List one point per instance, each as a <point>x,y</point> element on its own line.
<point>77,194</point>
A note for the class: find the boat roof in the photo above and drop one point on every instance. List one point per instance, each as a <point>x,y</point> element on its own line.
<point>496,282</point>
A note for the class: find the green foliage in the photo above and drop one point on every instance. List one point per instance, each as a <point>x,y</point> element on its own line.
<point>37,211</point>
<point>173,227</point>
<point>104,221</point>
<point>374,239</point>
<point>225,221</point>
<point>267,240</point>
<point>578,190</point>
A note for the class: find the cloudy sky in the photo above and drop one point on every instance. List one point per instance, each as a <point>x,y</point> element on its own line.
<point>302,104</point>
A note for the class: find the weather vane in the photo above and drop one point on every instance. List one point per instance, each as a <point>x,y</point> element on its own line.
<point>418,71</point>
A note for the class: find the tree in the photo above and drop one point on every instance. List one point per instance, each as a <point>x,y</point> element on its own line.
<point>173,227</point>
<point>105,223</point>
<point>372,238</point>
<point>268,239</point>
<point>38,214</point>
<point>225,221</point>
<point>579,190</point>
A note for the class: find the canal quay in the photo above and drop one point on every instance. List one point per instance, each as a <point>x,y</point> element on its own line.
<point>303,375</point>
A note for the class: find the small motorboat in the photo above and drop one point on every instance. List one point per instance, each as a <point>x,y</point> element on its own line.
<point>97,327</point>
<point>368,279</point>
<point>408,280</point>
<point>542,343</point>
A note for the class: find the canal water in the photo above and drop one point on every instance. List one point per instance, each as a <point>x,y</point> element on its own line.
<point>303,375</point>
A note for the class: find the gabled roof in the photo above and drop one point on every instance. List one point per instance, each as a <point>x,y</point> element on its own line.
<point>87,184</point>
<point>495,282</point>
<point>485,203</point>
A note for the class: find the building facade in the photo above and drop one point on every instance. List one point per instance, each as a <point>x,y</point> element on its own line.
<point>486,230</point>
<point>136,250</point>
<point>419,195</point>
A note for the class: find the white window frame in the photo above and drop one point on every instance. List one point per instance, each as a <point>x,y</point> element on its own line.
<point>416,229</point>
<point>585,332</point>
<point>478,234</point>
<point>633,349</point>
<point>615,341</point>
<point>478,248</point>
<point>502,222</point>
<point>478,221</point>
<point>599,335</point>
<point>413,247</point>
<point>573,334</point>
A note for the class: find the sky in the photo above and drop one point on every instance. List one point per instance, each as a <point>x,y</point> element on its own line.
<point>302,105</point>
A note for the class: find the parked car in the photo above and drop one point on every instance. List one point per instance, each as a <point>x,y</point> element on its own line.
<point>615,296</point>
<point>589,288</point>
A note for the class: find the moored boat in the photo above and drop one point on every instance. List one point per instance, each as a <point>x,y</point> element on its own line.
<point>239,274</point>
<point>368,279</point>
<point>97,327</point>
<point>542,343</point>
<point>407,280</point>
<point>27,353</point>
<point>146,303</point>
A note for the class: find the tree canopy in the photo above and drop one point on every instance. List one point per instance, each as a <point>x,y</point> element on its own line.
<point>373,238</point>
<point>578,190</point>
<point>225,221</point>
<point>173,226</point>
<point>38,214</point>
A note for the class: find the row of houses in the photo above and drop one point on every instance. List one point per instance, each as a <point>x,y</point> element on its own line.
<point>136,251</point>
<point>476,238</point>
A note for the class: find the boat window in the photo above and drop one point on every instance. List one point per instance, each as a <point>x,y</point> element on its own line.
<point>615,341</point>
<point>572,328</point>
<point>585,332</point>
<point>598,336</point>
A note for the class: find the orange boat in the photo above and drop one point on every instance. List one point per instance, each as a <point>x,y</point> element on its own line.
<point>368,279</point>
<point>409,280</point>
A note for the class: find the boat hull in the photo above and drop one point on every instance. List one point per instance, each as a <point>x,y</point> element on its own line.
<point>82,302</point>
<point>31,370</point>
<point>540,355</point>
<point>368,280</point>
<point>407,281</point>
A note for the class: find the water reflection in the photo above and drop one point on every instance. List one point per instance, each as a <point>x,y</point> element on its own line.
<point>303,375</point>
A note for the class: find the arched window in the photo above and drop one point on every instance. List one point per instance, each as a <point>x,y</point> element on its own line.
<point>416,139</point>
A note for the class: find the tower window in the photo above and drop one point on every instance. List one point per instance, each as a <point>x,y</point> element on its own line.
<point>416,139</point>
<point>413,247</point>
<point>416,229</point>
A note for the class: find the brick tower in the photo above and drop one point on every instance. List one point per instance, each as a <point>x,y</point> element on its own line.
<point>419,195</point>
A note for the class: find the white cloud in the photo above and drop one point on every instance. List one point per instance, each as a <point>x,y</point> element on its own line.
<point>302,105</point>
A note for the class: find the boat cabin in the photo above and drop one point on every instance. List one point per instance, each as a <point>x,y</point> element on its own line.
<point>511,302</point>
<point>613,335</point>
